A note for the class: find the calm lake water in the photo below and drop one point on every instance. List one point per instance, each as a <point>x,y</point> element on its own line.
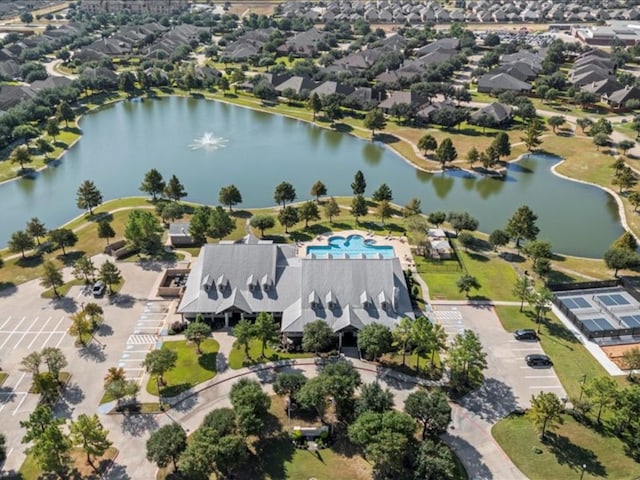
<point>256,151</point>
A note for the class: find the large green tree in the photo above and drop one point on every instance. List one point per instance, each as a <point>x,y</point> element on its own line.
<point>359,184</point>
<point>262,223</point>
<point>374,399</point>
<point>522,225</point>
<point>110,274</point>
<point>230,196</point>
<point>359,207</point>
<point>166,444</point>
<point>446,152</point>
<point>197,332</point>
<point>374,340</point>
<point>466,283</point>
<point>432,410</point>
<point>220,223</point>
<point>288,217</point>
<point>105,230</point>
<point>374,120</point>
<point>284,192</point>
<point>143,231</point>
<point>467,361</point>
<point>266,329</point>
<point>331,209</point>
<point>88,433</point>
<point>153,183</point>
<point>21,155</point>
<point>545,412</point>
<point>63,238</point>
<point>158,362</point>
<point>244,332</point>
<point>36,229</point>
<point>620,258</point>
<point>403,334</point>
<point>174,190</point>
<point>532,133</point>
<point>51,277</point>
<point>317,336</point>
<point>318,189</point>
<point>21,241</point>
<point>289,383</point>
<point>602,393</point>
<point>88,196</point>
<point>308,211</point>
<point>434,461</point>
<point>251,405</point>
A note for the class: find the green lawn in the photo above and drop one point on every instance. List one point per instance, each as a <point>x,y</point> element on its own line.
<point>237,358</point>
<point>394,360</point>
<point>562,457</point>
<point>63,290</point>
<point>191,368</point>
<point>571,359</point>
<point>3,377</point>
<point>496,275</point>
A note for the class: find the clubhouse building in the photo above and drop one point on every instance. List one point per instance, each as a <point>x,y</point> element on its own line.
<point>230,281</point>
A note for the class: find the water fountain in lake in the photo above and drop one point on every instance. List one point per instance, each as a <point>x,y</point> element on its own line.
<point>208,142</point>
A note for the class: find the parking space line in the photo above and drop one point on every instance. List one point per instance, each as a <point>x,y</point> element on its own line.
<point>24,397</point>
<point>19,380</point>
<point>52,332</point>
<point>8,320</point>
<point>11,334</point>
<point>38,334</point>
<point>27,331</point>
<point>64,334</point>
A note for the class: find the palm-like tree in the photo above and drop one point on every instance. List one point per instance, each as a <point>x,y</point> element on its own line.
<point>402,334</point>
<point>437,340</point>
<point>114,374</point>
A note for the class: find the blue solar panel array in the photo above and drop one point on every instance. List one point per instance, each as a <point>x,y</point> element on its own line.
<point>597,324</point>
<point>575,303</point>
<point>613,300</point>
<point>632,321</point>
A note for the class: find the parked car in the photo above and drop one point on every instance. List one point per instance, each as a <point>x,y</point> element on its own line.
<point>98,289</point>
<point>538,360</point>
<point>525,334</point>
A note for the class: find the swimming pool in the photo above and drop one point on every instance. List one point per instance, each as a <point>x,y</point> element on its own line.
<point>354,246</point>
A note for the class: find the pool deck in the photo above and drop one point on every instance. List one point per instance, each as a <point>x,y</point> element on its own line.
<point>400,245</point>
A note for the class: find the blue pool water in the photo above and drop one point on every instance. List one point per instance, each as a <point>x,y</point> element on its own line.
<point>354,246</point>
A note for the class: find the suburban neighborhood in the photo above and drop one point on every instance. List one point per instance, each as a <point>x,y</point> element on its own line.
<point>320,240</point>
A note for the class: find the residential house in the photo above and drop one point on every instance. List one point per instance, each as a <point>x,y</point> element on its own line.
<point>499,112</point>
<point>439,246</point>
<point>502,82</point>
<point>303,44</point>
<point>401,97</point>
<point>619,98</point>
<point>603,87</point>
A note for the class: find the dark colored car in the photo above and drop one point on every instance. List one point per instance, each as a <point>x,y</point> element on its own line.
<point>525,334</point>
<point>98,289</point>
<point>538,360</point>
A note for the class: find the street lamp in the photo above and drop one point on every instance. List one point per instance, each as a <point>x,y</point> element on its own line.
<point>582,382</point>
<point>525,285</point>
<point>584,469</point>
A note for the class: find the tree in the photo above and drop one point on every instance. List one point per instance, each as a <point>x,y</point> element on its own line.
<point>583,123</point>
<point>169,211</point>
<point>555,122</point>
<point>498,238</point>
<point>55,360</point>
<point>467,360</point>
<point>374,120</point>
<point>308,211</point>
<point>314,103</point>
<point>262,223</point>
<point>359,207</point>
<point>522,289</point>
<point>434,461</point>
<point>446,152</point>
<point>81,326</point>
<point>288,383</point>
<point>620,258</point>
<point>32,363</point>
<point>532,134</point>
<point>230,196</point>
<point>427,142</point>
<point>251,405</point>
<point>631,360</point>
<point>265,329</point>
<point>121,389</point>
<point>375,339</point>
<point>84,269</point>
<point>403,334</point>
<point>634,199</point>
<point>437,218</point>
<point>359,184</point>
<point>222,420</point>
<point>466,283</point>
<point>21,155</point>
<point>384,210</point>
<point>88,196</point>
<point>63,237</point>
<point>473,156</point>
<point>284,193</point>
<point>331,209</point>
<point>143,231</point>
<point>374,399</point>
<point>318,189</point>
<point>52,128</point>
<point>174,190</point>
<point>313,396</point>
<point>501,145</point>
<point>64,113</point>
<point>166,445</point>
<point>115,374</point>
<point>49,445</point>
<point>51,277</point>
<point>288,217</point>
<point>3,448</point>
<point>196,332</point>
<point>432,410</point>
<point>413,207</point>
<point>21,241</point>
<point>626,145</point>
<point>466,239</point>
<point>601,392</point>
<point>153,183</point>
<point>44,146</point>
<point>159,362</point>
<point>243,331</point>
<point>36,229</point>
<point>340,380</point>
<point>600,140</point>
<point>105,230</point>
<point>625,178</point>
<point>317,336</point>
<point>109,274</point>
<point>545,412</point>
<point>88,433</point>
<point>220,223</point>
<point>383,193</point>
<point>536,250</point>
<point>462,221</point>
<point>522,225</point>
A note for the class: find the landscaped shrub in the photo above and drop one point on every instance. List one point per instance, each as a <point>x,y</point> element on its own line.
<point>177,327</point>
<point>298,439</point>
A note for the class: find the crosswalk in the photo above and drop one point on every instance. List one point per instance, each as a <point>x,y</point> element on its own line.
<point>451,321</point>
<point>448,315</point>
<point>142,339</point>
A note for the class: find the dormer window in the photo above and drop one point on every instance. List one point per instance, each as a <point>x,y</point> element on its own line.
<point>364,299</point>
<point>221,283</point>
<point>314,300</point>
<point>251,283</point>
<point>266,282</point>
<point>384,301</point>
<point>207,281</point>
<point>332,301</point>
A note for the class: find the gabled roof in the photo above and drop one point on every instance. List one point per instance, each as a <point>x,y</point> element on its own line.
<point>620,97</point>
<point>500,112</point>
<point>502,81</point>
<point>396,98</point>
<point>602,87</point>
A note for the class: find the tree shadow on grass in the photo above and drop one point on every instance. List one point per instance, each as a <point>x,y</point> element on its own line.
<point>241,214</point>
<point>273,453</point>
<point>70,258</point>
<point>138,424</point>
<point>558,332</point>
<point>208,361</point>
<point>300,236</point>
<point>174,390</point>
<point>32,261</point>
<point>574,456</point>
<point>317,229</point>
<point>478,257</point>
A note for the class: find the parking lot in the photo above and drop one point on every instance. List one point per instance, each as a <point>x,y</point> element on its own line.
<point>33,333</point>
<point>507,376</point>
